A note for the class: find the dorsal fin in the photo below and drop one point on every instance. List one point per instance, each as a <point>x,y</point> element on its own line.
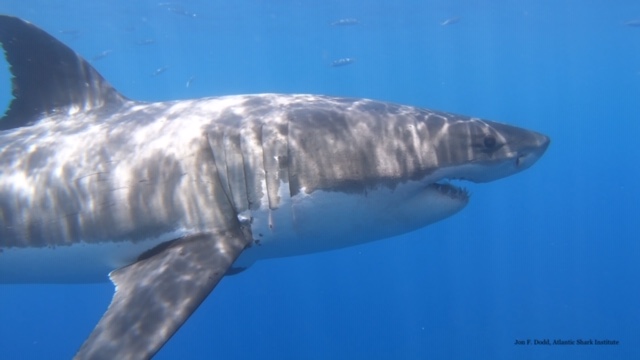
<point>48,76</point>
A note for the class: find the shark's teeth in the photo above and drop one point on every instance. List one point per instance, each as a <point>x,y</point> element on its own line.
<point>452,191</point>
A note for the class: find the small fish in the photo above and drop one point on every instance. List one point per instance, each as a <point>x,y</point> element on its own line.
<point>342,62</point>
<point>159,70</point>
<point>101,55</point>
<point>345,22</point>
<point>146,42</point>
<point>176,9</point>
<point>450,21</point>
<point>632,23</point>
<point>72,32</point>
<point>181,11</point>
<point>190,81</point>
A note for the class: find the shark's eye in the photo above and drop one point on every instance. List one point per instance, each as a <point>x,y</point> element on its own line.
<point>489,141</point>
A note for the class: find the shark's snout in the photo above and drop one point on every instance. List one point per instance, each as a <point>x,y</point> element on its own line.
<point>530,155</point>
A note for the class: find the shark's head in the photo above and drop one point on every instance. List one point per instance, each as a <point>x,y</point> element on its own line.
<point>348,171</point>
<point>454,148</point>
<point>468,149</point>
<point>462,148</point>
<point>358,145</point>
<point>481,151</point>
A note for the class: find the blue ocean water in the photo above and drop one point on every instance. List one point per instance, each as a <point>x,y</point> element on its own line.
<point>551,253</point>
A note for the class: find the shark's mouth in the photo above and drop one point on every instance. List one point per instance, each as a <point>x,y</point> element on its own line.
<point>455,192</point>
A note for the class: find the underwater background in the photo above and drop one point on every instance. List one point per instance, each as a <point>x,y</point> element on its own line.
<point>551,253</point>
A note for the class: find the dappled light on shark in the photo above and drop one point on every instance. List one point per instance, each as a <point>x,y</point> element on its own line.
<point>168,197</point>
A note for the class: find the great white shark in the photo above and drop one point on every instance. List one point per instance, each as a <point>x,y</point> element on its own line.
<point>168,197</point>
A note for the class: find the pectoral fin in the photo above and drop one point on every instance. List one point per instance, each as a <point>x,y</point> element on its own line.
<point>155,295</point>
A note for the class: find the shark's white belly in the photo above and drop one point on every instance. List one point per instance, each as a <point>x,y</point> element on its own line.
<point>327,220</point>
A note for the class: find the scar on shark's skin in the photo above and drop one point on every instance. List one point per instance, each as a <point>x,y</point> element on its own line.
<point>168,197</point>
